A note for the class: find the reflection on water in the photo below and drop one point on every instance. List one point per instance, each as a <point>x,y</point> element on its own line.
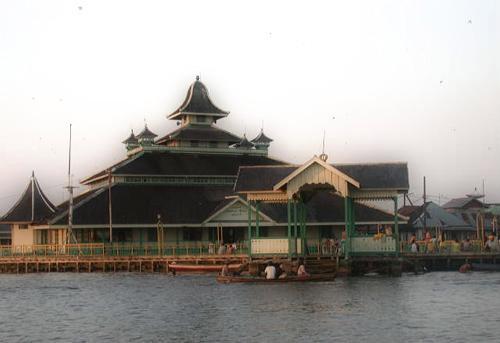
<point>152,307</point>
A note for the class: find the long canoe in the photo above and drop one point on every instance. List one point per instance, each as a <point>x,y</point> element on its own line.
<point>242,279</point>
<point>485,267</point>
<point>208,268</point>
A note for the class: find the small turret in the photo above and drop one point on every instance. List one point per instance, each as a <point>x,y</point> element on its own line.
<point>146,137</point>
<point>262,142</point>
<point>131,142</point>
<point>243,144</point>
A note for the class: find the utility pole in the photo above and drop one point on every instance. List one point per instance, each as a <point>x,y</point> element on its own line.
<point>110,207</point>
<point>424,206</point>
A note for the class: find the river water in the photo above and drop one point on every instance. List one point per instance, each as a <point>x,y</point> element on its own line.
<point>435,307</point>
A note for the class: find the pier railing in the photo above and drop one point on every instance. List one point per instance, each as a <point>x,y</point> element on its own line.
<point>117,249</point>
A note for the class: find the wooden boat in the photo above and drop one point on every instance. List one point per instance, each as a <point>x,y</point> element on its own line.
<point>242,279</point>
<point>200,268</point>
<point>485,267</point>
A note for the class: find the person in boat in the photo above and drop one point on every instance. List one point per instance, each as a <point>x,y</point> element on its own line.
<point>301,271</point>
<point>270,271</point>
<point>282,274</point>
<point>225,270</point>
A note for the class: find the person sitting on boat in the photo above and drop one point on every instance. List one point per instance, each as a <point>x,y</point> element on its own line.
<point>281,272</point>
<point>270,271</point>
<point>301,271</point>
<point>225,270</point>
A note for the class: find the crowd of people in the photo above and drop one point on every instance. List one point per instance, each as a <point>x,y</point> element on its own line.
<point>272,271</point>
<point>431,244</point>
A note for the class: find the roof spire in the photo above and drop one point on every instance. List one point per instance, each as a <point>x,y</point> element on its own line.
<point>323,156</point>
<point>197,77</point>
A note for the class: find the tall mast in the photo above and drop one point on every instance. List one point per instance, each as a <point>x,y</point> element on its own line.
<point>70,191</point>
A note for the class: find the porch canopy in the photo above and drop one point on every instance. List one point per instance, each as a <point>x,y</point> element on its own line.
<point>294,185</point>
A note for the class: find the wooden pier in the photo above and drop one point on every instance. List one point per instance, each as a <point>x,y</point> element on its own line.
<point>89,264</point>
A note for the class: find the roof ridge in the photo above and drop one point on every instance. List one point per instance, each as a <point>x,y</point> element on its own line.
<point>271,166</point>
<point>367,164</point>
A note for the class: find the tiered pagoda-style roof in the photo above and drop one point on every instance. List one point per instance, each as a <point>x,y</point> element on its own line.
<point>132,141</point>
<point>244,143</point>
<point>32,207</point>
<point>198,102</point>
<point>146,137</point>
<point>193,132</point>
<point>261,141</point>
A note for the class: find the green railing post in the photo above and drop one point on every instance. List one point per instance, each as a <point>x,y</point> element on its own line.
<point>289,214</point>
<point>249,228</point>
<point>257,223</point>
<point>396,225</point>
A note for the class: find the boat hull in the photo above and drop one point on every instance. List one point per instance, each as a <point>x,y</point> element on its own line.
<point>248,279</point>
<point>201,268</point>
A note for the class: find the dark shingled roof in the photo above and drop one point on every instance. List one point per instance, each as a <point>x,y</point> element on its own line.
<point>193,205</point>
<point>261,178</point>
<point>378,176</point>
<point>198,101</point>
<point>165,163</point>
<point>32,207</point>
<point>261,138</point>
<point>142,204</point>
<point>327,207</point>
<point>200,133</point>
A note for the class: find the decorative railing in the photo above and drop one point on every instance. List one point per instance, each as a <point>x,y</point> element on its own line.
<point>119,249</point>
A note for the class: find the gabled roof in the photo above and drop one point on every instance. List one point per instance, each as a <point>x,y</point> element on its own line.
<point>146,133</point>
<point>316,160</point>
<point>369,176</point>
<point>462,202</point>
<point>244,143</point>
<point>197,101</point>
<point>195,132</point>
<point>261,138</point>
<point>32,207</point>
<point>435,216</point>
<point>132,139</point>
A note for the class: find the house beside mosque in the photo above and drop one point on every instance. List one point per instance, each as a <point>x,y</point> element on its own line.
<point>198,181</point>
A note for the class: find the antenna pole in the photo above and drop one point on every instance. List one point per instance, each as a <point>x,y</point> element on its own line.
<point>70,191</point>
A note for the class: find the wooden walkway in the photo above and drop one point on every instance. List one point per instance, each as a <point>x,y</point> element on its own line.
<point>88,264</point>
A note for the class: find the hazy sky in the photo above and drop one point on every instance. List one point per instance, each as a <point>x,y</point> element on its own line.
<point>415,81</point>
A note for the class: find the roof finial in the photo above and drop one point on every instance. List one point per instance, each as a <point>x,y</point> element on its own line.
<point>197,77</point>
<point>323,156</point>
<point>32,173</point>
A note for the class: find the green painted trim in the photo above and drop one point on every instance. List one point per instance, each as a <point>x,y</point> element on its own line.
<point>257,227</point>
<point>289,216</point>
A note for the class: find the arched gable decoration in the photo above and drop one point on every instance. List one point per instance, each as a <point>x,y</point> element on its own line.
<point>316,172</point>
